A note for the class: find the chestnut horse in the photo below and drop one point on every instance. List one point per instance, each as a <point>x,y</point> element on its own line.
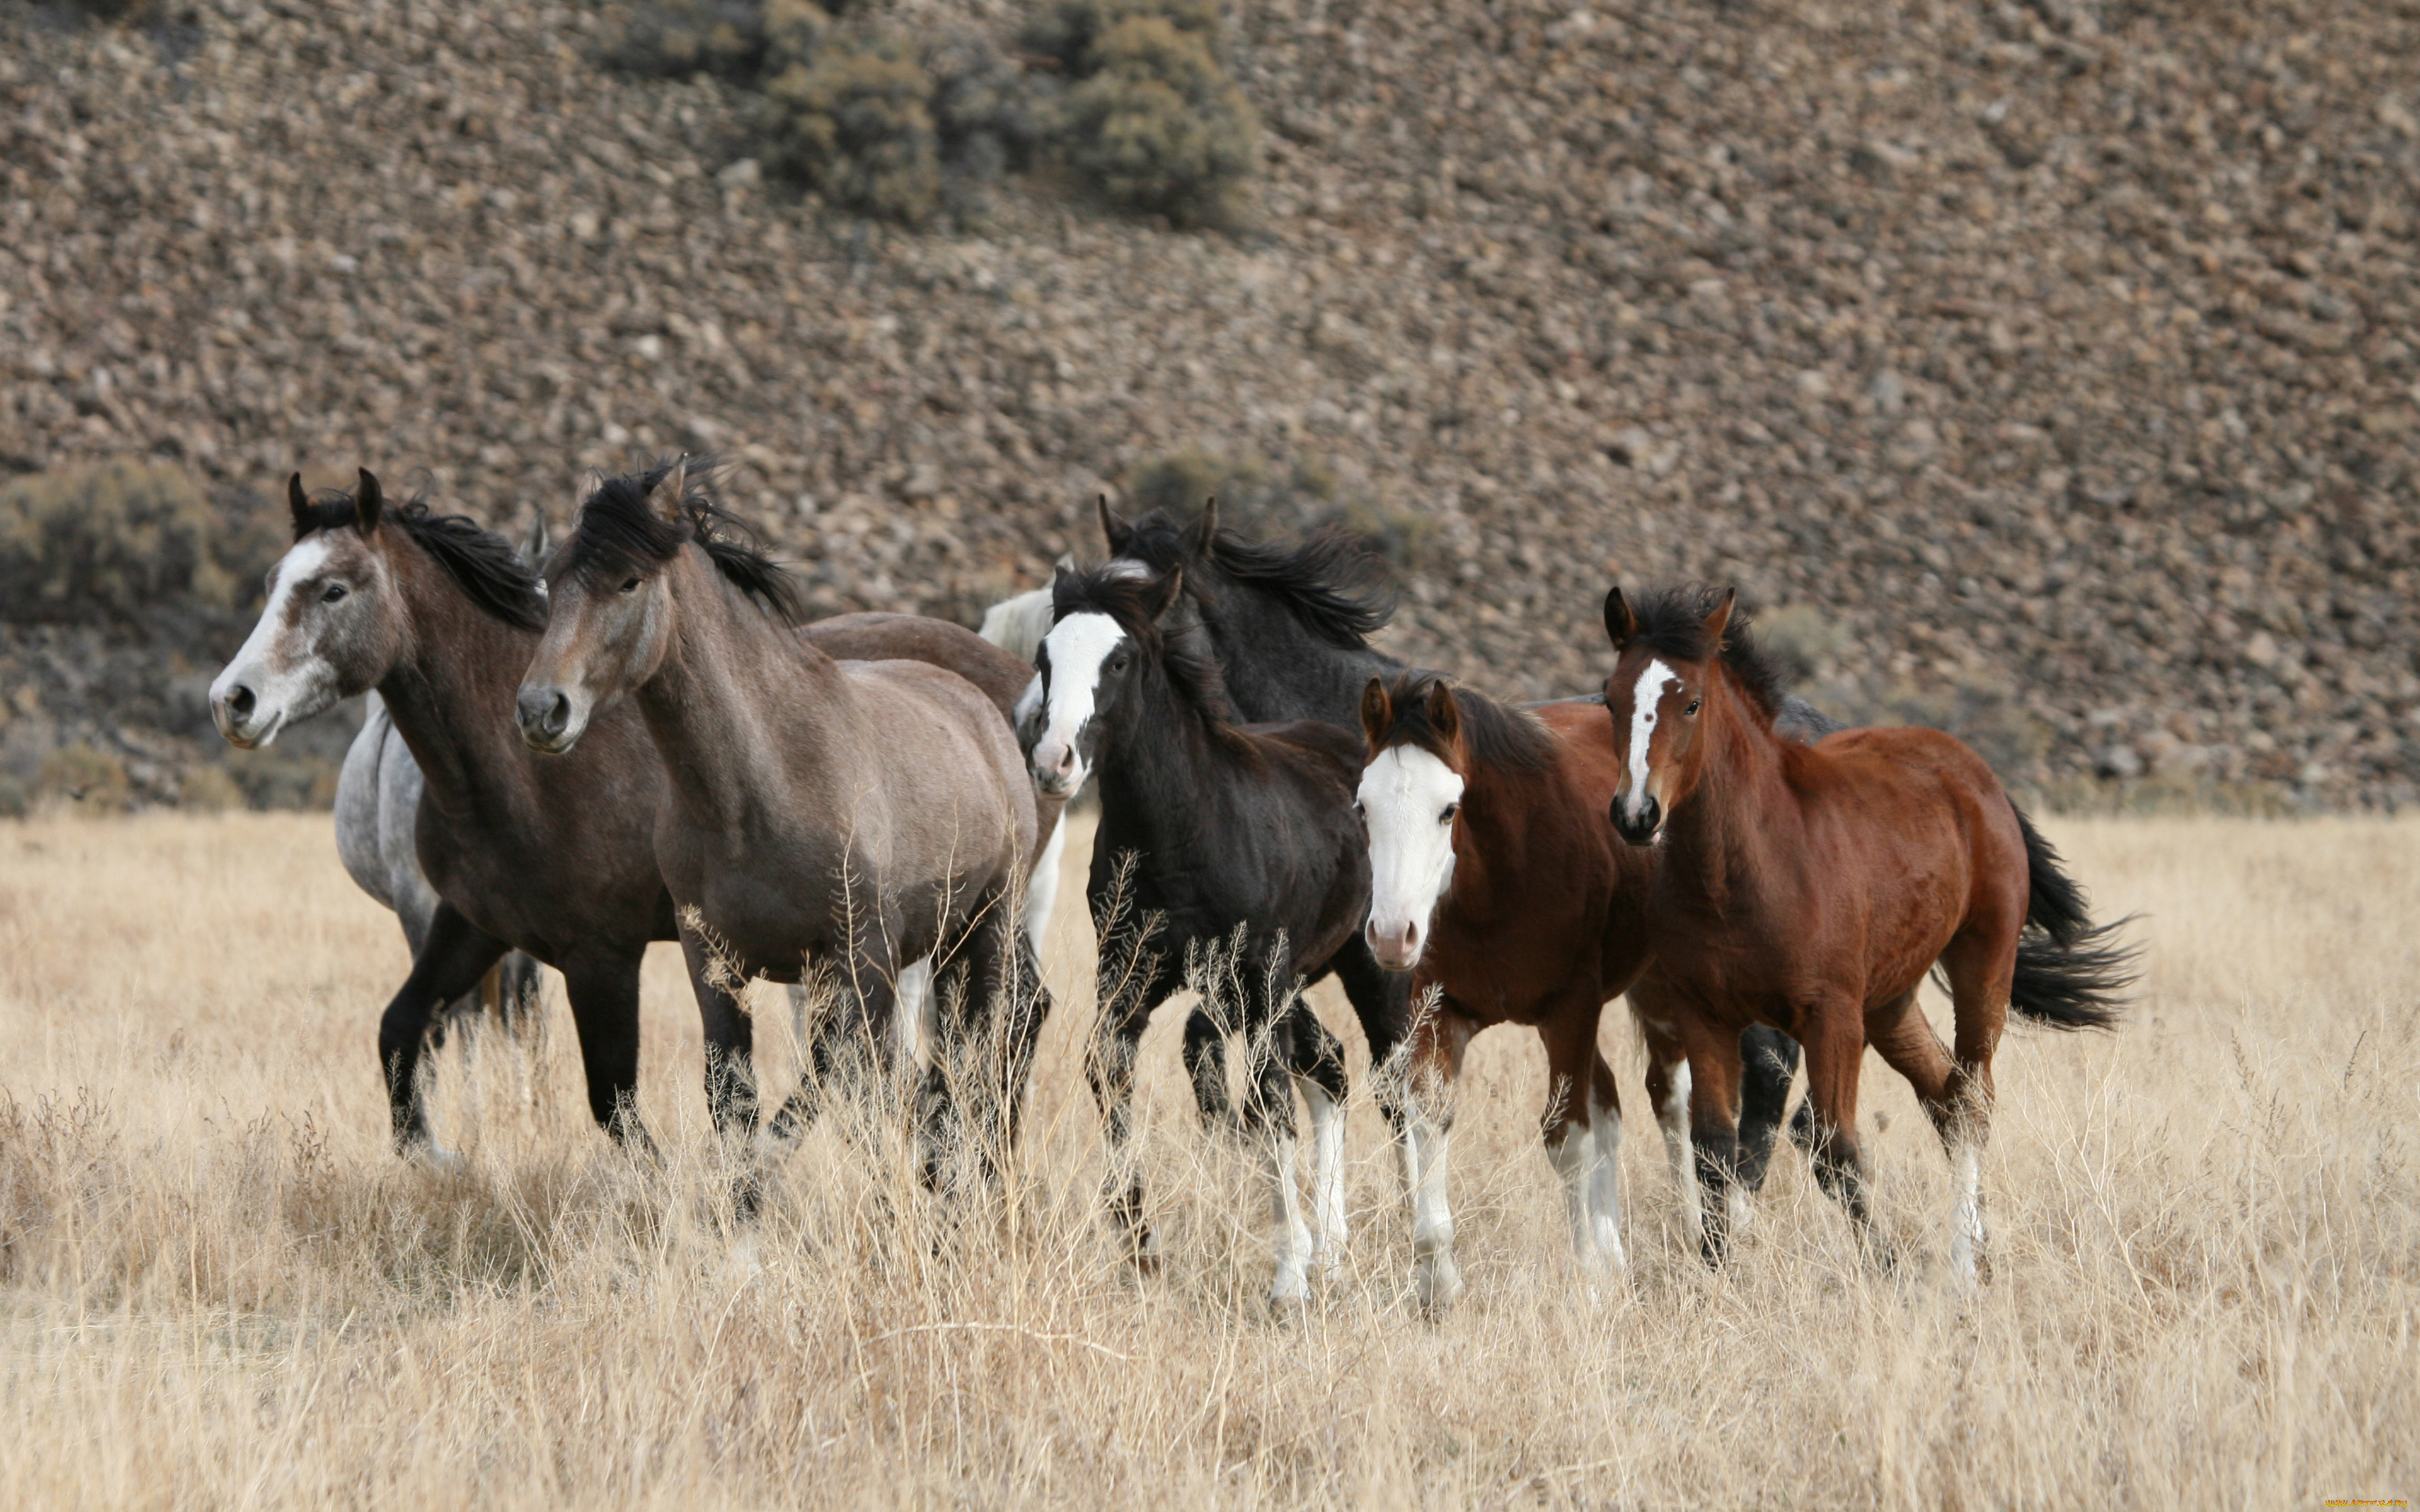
<point>1811,888</point>
<point>1493,882</point>
<point>859,816</point>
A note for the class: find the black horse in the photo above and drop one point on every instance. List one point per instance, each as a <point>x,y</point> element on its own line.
<point>1290,626</point>
<point>1229,858</point>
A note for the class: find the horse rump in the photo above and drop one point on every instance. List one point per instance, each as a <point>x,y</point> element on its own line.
<point>2070,973</point>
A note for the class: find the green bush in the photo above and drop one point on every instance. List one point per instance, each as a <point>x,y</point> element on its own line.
<point>1159,126</point>
<point>741,41</point>
<point>106,540</point>
<point>986,110</point>
<point>855,126</point>
<point>1066,30</point>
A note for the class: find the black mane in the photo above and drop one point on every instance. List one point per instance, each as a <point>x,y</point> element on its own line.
<point>1181,649</point>
<point>618,533</point>
<point>1329,579</point>
<point>1491,731</point>
<point>479,561</point>
<point>1672,622</point>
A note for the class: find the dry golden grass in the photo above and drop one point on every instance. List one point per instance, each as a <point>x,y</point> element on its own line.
<point>219,1289</point>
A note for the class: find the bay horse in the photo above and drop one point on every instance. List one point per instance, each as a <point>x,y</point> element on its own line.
<point>1812,888</point>
<point>1222,840</point>
<point>850,815</point>
<point>1289,625</point>
<point>552,856</point>
<point>1492,883</point>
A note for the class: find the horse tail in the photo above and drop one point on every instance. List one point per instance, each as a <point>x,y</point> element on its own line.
<point>2070,973</point>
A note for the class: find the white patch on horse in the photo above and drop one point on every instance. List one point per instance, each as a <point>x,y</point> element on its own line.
<point>258,665</point>
<point>1967,1225</point>
<point>1078,644</point>
<point>1436,1281</point>
<point>1125,569</point>
<point>1643,702</point>
<point>1672,1117</point>
<point>1573,1157</point>
<point>1292,1240</point>
<point>1326,1174</point>
<point>1404,793</point>
<point>1042,886</point>
<point>1604,1182</point>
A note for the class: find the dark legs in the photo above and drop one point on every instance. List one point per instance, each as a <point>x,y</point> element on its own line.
<point>604,997</point>
<point>1108,1066</point>
<point>1768,1059</point>
<point>990,1017</point>
<point>452,958</point>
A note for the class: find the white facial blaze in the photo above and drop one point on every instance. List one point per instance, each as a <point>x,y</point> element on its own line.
<point>1643,702</point>
<point>278,682</point>
<point>1404,793</point>
<point>1078,644</point>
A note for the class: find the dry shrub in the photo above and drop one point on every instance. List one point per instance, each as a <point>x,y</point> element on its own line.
<point>1157,124</point>
<point>740,40</point>
<point>856,125</point>
<point>107,541</point>
<point>93,779</point>
<point>207,789</point>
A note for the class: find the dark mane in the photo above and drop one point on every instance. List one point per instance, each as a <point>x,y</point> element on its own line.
<point>1182,650</point>
<point>479,561</point>
<point>617,533</point>
<point>1672,622</point>
<point>1329,579</point>
<point>1491,731</point>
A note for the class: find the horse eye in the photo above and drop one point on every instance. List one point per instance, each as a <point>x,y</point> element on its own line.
<point>335,591</point>
<point>1691,710</point>
<point>631,586</point>
<point>1446,817</point>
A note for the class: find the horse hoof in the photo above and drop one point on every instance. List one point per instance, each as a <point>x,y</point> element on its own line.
<point>1435,1290</point>
<point>436,1158</point>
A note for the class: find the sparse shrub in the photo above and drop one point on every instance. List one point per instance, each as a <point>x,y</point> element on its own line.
<point>93,779</point>
<point>1066,30</point>
<point>986,110</point>
<point>209,789</point>
<point>741,41</point>
<point>106,540</point>
<point>14,800</point>
<point>1157,124</point>
<point>1800,637</point>
<point>855,125</point>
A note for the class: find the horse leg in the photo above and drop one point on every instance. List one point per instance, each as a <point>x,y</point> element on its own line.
<point>452,957</point>
<point>1668,1091</point>
<point>1042,888</point>
<point>849,1040</point>
<point>522,982</point>
<point>1714,1135</point>
<point>1439,1037</point>
<point>989,1039</point>
<point>1382,1000</point>
<point>1605,1178</point>
<point>604,997</point>
<point>1570,1127</point>
<point>1109,1066</point>
<point>1268,1115</point>
<point>1979,967</point>
<point>1768,1059</point>
<point>1835,1046</point>
<point>1318,1065</point>
<point>730,1043</point>
<point>1205,1065</point>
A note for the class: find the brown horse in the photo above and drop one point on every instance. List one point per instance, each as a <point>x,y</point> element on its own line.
<point>860,815</point>
<point>1492,880</point>
<point>552,856</point>
<point>1811,888</point>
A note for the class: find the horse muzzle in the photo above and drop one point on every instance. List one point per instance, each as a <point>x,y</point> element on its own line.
<point>1637,829</point>
<point>1397,946</point>
<point>545,716</point>
<point>1057,772</point>
<point>236,709</point>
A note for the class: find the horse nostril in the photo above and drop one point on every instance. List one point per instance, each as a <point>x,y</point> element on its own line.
<point>239,701</point>
<point>543,711</point>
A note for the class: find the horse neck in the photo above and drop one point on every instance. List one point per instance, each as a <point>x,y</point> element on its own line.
<point>451,694</point>
<point>1716,839</point>
<point>1277,669</point>
<point>739,694</point>
<point>1158,758</point>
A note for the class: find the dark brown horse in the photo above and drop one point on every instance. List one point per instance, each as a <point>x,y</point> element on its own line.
<point>1492,880</point>
<point>857,816</point>
<point>1811,888</point>
<point>553,856</point>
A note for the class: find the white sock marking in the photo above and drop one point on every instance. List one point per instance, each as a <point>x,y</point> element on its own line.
<point>1327,1173</point>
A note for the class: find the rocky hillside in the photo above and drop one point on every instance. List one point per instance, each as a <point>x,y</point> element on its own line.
<point>2045,370</point>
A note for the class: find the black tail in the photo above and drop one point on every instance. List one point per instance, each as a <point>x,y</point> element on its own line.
<point>2070,974</point>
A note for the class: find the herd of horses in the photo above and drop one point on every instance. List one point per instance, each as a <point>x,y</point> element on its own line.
<point>635,738</point>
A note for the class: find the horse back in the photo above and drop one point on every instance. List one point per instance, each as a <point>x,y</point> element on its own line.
<point>873,637</point>
<point>943,743</point>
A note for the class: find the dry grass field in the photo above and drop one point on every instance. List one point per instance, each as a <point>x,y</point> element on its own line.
<point>219,1289</point>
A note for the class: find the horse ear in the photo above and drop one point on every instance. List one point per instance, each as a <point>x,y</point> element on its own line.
<point>535,545</point>
<point>1205,529</point>
<point>1172,591</point>
<point>1720,620</point>
<point>1444,714</point>
<point>1619,623</point>
<point>1118,531</point>
<point>591,483</point>
<point>671,492</point>
<point>299,502</point>
<point>1377,712</point>
<point>368,503</point>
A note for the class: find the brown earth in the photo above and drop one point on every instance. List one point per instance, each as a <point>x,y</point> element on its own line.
<point>2046,368</point>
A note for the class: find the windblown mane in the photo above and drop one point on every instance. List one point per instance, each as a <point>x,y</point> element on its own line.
<point>1329,579</point>
<point>1183,650</point>
<point>1672,622</point>
<point>1491,731</point>
<point>619,532</point>
<point>479,561</point>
